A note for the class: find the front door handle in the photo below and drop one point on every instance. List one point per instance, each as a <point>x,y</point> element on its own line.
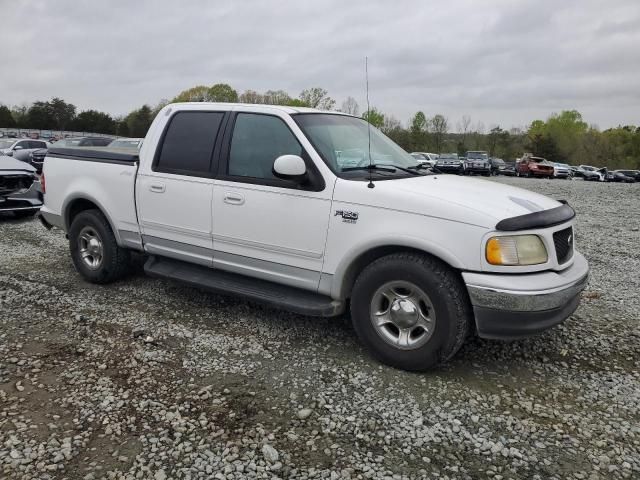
<point>233,198</point>
<point>157,187</point>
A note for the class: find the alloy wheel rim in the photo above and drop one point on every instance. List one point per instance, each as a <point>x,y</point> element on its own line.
<point>91,248</point>
<point>402,314</point>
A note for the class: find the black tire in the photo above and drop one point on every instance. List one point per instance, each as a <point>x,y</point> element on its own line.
<point>24,213</point>
<point>448,297</point>
<point>115,261</point>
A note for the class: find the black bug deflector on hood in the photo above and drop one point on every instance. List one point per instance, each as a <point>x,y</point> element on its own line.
<point>545,218</point>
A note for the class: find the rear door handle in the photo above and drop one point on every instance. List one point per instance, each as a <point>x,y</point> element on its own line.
<point>157,187</point>
<point>233,198</point>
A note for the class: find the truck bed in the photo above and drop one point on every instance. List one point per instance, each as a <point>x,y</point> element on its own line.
<point>105,176</point>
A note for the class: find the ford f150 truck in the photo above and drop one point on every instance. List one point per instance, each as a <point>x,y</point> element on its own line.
<point>256,200</point>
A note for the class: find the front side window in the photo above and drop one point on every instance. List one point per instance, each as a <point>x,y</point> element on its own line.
<point>187,147</point>
<point>347,143</point>
<point>256,142</point>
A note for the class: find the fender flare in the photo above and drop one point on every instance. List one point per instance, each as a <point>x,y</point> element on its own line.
<point>341,276</point>
<point>83,196</point>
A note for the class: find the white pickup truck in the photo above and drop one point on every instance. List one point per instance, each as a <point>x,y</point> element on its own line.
<point>254,200</point>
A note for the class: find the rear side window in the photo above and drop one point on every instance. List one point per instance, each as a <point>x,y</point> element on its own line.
<point>257,141</point>
<point>187,147</point>
<point>35,144</point>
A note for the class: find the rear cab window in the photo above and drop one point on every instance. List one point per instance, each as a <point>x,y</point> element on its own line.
<point>187,146</point>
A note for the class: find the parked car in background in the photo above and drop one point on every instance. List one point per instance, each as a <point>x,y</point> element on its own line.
<point>562,170</point>
<point>591,174</point>
<point>497,166</point>
<point>83,142</point>
<point>534,167</point>
<point>36,158</point>
<point>279,221</point>
<point>509,169</point>
<point>426,158</point>
<point>128,143</point>
<point>20,148</point>
<point>620,177</point>
<point>477,162</point>
<point>19,187</point>
<point>450,163</point>
<point>635,174</point>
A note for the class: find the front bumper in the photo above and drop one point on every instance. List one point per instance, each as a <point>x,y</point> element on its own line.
<point>31,200</point>
<point>508,306</point>
<point>450,168</point>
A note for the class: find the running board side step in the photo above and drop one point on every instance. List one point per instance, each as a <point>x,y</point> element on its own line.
<point>288,298</point>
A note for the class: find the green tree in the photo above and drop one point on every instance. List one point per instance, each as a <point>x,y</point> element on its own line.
<point>139,121</point>
<point>6,119</point>
<point>221,92</point>
<point>199,93</point>
<point>317,98</point>
<point>20,114</point>
<point>418,132</point>
<point>55,114</point>
<point>93,121</point>
<point>374,117</point>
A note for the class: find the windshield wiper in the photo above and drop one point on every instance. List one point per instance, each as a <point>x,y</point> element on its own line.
<point>381,167</point>
<point>372,166</point>
<point>425,166</point>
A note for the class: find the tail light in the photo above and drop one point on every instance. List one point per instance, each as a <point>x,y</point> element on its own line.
<point>43,185</point>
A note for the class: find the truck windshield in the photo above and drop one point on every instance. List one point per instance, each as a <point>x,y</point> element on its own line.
<point>343,142</point>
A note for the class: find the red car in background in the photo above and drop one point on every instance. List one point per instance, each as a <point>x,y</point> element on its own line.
<point>534,167</point>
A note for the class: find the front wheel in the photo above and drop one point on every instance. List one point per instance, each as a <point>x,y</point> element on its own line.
<point>94,250</point>
<point>410,311</point>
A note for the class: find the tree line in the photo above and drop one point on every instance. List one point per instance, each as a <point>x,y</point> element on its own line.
<point>563,137</point>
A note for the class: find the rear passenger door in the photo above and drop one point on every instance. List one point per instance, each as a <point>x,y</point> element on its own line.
<point>174,193</point>
<point>263,226</point>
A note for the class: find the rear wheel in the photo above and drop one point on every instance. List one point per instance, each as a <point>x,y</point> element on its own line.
<point>94,250</point>
<point>410,311</point>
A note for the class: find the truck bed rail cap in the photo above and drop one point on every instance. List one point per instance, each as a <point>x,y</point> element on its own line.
<point>81,153</point>
<point>545,218</point>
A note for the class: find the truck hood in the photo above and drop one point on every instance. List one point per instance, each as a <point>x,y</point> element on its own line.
<point>13,165</point>
<point>460,199</point>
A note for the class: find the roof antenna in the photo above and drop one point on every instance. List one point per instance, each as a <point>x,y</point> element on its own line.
<point>366,76</point>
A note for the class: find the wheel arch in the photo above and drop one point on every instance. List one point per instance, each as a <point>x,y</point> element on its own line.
<point>350,267</point>
<point>79,204</point>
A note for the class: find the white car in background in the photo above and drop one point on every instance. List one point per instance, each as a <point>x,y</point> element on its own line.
<point>128,143</point>
<point>425,158</point>
<point>562,170</point>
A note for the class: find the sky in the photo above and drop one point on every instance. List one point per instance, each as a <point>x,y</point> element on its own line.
<point>501,62</point>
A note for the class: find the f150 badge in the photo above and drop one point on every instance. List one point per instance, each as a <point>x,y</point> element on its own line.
<point>347,217</point>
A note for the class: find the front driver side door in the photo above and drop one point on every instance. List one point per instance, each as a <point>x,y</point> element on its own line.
<point>264,226</point>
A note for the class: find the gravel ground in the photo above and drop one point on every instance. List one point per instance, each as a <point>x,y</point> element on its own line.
<point>149,379</point>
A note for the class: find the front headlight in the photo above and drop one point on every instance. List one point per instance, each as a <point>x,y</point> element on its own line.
<point>516,250</point>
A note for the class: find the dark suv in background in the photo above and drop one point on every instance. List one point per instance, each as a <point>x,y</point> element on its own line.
<point>477,162</point>
<point>450,163</point>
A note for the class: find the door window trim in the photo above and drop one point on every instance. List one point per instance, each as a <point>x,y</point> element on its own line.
<point>214,159</point>
<point>316,181</point>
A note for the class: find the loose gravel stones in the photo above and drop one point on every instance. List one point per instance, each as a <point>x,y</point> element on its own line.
<point>147,379</point>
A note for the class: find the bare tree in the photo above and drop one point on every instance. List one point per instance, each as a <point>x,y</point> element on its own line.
<point>251,96</point>
<point>390,123</point>
<point>439,128</point>
<point>317,97</point>
<point>350,106</point>
<point>463,127</point>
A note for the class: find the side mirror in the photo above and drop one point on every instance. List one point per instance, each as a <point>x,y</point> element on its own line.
<point>17,147</point>
<point>290,167</point>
